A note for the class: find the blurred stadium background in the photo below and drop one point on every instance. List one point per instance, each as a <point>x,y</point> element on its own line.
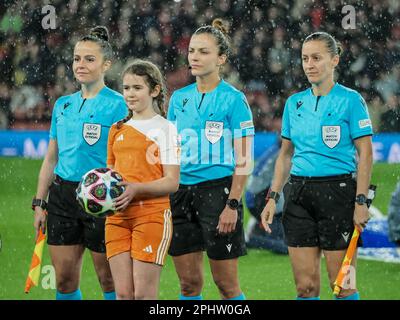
<point>35,69</point>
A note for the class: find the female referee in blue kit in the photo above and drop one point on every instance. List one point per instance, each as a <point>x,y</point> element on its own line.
<point>215,123</point>
<point>78,143</point>
<point>325,196</point>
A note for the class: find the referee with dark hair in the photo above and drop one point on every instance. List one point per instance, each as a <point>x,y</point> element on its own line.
<point>325,197</point>
<point>78,143</point>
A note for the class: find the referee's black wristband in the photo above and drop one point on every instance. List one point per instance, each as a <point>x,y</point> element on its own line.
<point>272,195</point>
<point>39,203</point>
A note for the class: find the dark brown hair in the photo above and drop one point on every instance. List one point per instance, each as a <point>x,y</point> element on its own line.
<point>100,35</point>
<point>152,77</point>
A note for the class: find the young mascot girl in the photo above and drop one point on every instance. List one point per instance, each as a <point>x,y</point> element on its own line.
<point>143,149</point>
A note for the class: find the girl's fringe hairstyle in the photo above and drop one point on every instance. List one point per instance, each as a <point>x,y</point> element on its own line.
<point>153,77</point>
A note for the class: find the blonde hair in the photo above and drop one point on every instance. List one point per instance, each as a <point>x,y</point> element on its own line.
<point>333,46</point>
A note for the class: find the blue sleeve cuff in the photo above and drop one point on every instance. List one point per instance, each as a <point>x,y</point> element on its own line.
<point>361,134</point>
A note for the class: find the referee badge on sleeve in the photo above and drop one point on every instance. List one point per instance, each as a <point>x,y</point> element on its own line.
<point>214,131</point>
<point>331,135</point>
<point>91,133</point>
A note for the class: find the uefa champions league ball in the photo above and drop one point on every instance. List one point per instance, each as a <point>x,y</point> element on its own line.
<point>96,191</point>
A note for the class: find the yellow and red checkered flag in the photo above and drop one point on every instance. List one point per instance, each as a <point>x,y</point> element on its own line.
<point>34,270</point>
<point>346,261</point>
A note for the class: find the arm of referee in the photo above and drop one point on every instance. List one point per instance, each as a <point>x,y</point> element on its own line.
<point>364,150</point>
<point>281,173</point>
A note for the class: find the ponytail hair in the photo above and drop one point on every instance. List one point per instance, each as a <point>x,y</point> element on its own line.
<point>101,36</point>
<point>219,30</point>
<point>127,118</point>
<point>333,46</point>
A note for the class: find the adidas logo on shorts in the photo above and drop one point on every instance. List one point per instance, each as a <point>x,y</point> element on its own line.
<point>148,249</point>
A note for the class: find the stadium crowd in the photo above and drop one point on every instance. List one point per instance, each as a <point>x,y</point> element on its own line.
<point>35,63</point>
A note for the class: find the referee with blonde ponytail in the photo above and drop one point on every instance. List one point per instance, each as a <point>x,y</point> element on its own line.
<point>325,187</point>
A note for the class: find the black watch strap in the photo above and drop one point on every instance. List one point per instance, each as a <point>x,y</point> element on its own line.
<point>273,195</point>
<point>39,203</point>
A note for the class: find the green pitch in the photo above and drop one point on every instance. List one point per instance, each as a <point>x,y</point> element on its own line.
<point>263,275</point>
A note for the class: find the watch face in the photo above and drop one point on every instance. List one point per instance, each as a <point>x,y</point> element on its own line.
<point>233,203</point>
<point>361,199</point>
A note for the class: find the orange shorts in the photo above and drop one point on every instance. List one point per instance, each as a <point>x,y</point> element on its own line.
<point>146,237</point>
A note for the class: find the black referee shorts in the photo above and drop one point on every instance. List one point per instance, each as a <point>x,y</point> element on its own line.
<point>318,212</point>
<point>67,223</point>
<point>195,215</point>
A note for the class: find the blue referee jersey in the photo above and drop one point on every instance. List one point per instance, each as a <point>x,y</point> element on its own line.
<point>81,127</point>
<point>207,124</point>
<point>322,130</point>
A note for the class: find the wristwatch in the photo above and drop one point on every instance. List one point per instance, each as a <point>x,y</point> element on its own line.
<point>361,199</point>
<point>272,195</point>
<point>233,203</point>
<point>38,202</point>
